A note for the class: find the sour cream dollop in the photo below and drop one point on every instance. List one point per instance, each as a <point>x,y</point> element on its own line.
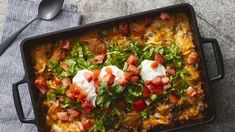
<point>82,83</point>
<point>118,73</point>
<point>149,73</point>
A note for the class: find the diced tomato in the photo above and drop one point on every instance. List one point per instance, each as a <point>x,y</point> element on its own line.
<point>146,92</point>
<point>108,70</point>
<point>82,96</point>
<point>128,75</point>
<point>87,124</point>
<point>98,59</point>
<point>192,58</point>
<point>134,79</point>
<point>63,116</point>
<point>157,81</point>
<point>123,28</point>
<point>154,64</point>
<point>133,69</point>
<point>67,45</point>
<point>121,104</point>
<point>165,16</point>
<point>87,106</point>
<point>165,79</point>
<point>70,95</point>
<point>40,83</point>
<point>123,81</point>
<point>96,74</point>
<point>190,91</point>
<point>74,89</point>
<point>156,89</point>
<point>159,58</point>
<point>147,82</point>
<point>88,76</point>
<point>139,105</point>
<point>173,98</point>
<point>109,78</point>
<point>57,81</point>
<point>74,113</point>
<point>167,86</point>
<point>66,82</point>
<point>148,21</point>
<point>170,70</point>
<point>132,60</point>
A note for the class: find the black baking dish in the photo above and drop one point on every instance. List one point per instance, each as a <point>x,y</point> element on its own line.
<point>28,43</point>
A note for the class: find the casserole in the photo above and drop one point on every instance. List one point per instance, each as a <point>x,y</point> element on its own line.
<point>26,48</point>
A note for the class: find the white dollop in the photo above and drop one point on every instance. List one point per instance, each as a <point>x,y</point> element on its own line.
<point>82,83</point>
<point>118,73</point>
<point>149,73</point>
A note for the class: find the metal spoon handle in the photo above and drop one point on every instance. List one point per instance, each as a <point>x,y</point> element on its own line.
<point>6,43</point>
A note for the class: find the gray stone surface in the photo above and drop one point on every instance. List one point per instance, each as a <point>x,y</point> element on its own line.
<point>216,19</point>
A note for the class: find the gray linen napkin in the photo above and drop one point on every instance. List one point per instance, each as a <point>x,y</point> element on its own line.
<point>19,12</point>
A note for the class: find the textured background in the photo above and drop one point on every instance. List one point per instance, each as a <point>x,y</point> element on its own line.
<point>215,18</point>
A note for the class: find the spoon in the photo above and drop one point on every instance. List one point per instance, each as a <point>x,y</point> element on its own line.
<point>47,10</point>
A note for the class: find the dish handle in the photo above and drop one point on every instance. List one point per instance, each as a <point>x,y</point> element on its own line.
<point>17,102</point>
<point>218,58</point>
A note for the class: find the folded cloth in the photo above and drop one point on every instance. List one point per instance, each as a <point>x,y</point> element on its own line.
<point>19,12</point>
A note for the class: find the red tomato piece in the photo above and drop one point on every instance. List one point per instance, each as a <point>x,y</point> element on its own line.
<point>192,58</point>
<point>123,28</point>
<point>132,60</point>
<point>146,92</point>
<point>156,89</point>
<point>74,89</point>
<point>133,69</point>
<point>63,116</point>
<point>82,96</point>
<point>108,70</point>
<point>74,113</point>
<point>128,75</point>
<point>40,83</point>
<point>159,58</point>
<point>88,76</point>
<point>109,78</point>
<point>173,98</point>
<point>87,106</point>
<point>157,81</point>
<point>57,81</point>
<point>87,123</point>
<point>139,105</point>
<point>154,64</point>
<point>190,91</point>
<point>123,81</point>
<point>67,45</point>
<point>170,70</point>
<point>134,79</point>
<point>96,74</point>
<point>70,95</point>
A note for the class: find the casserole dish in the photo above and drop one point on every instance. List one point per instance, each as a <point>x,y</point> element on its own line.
<point>28,44</point>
